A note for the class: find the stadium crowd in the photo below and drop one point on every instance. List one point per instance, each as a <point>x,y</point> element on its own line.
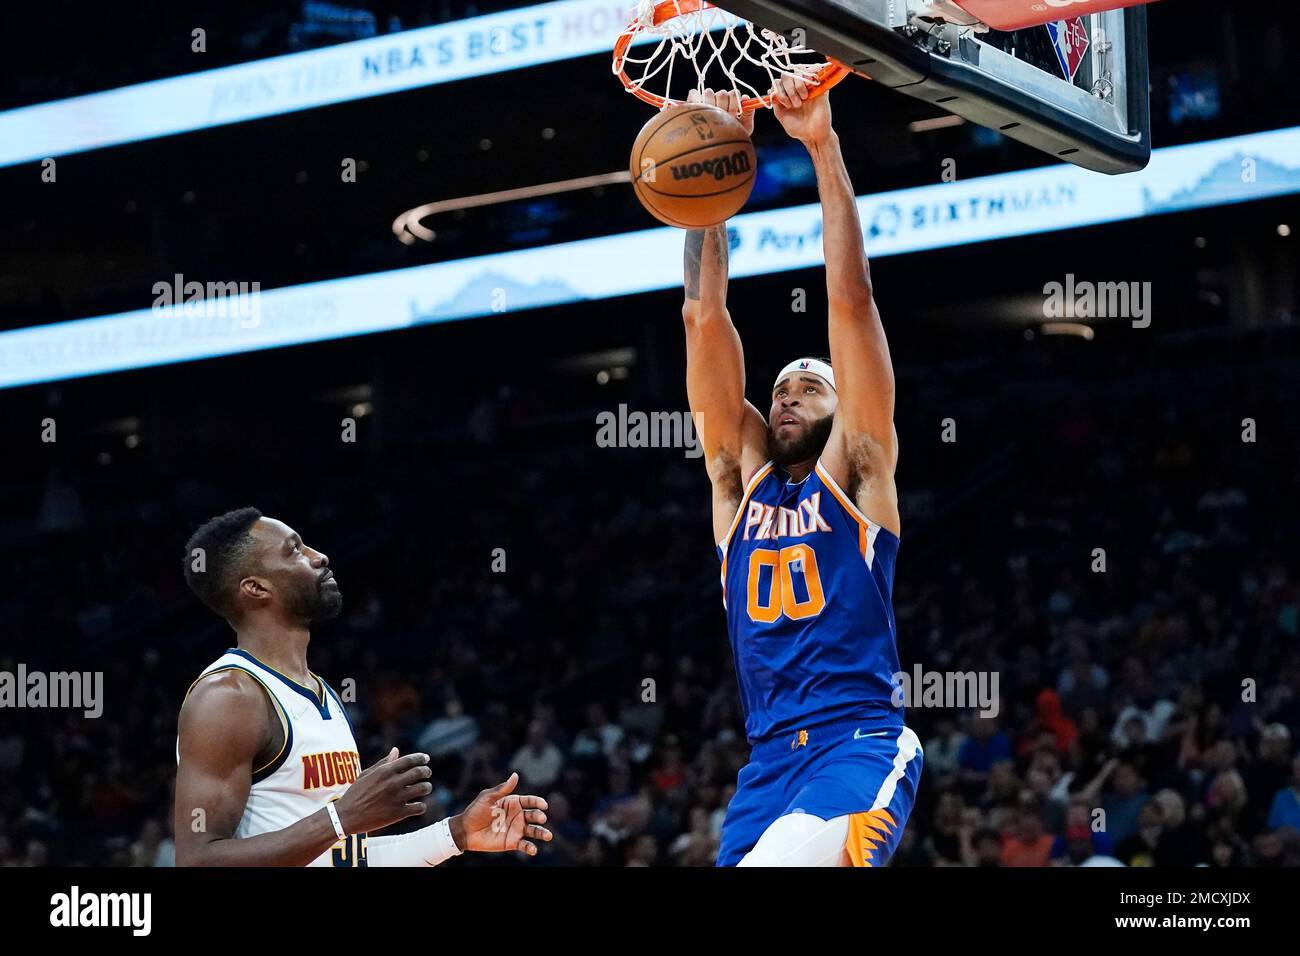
<point>1125,568</point>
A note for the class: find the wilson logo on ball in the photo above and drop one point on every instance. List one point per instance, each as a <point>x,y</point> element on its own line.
<point>719,168</point>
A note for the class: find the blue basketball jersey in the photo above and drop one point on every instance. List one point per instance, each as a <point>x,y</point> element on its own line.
<point>807,581</point>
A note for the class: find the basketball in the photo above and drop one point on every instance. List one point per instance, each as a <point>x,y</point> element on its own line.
<point>693,166</point>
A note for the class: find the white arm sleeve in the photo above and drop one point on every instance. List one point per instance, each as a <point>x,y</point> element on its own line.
<point>425,847</point>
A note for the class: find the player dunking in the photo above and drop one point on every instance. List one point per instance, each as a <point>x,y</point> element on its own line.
<point>268,772</point>
<point>805,515</point>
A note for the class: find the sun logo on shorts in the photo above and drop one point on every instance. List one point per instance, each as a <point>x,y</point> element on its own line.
<point>800,741</point>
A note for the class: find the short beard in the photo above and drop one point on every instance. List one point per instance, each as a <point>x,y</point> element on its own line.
<point>316,607</point>
<point>329,606</point>
<point>805,448</point>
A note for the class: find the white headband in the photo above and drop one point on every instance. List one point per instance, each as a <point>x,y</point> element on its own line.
<point>816,366</point>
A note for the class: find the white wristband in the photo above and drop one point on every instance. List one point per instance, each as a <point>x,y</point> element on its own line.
<point>334,819</point>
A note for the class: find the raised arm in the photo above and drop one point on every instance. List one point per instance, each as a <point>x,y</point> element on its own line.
<point>727,425</point>
<point>731,430</point>
<point>863,448</point>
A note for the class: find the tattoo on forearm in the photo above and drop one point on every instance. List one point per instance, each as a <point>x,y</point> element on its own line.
<point>694,247</point>
<point>695,240</point>
<point>720,248</point>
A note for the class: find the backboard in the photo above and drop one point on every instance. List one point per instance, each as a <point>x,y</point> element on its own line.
<point>1076,88</point>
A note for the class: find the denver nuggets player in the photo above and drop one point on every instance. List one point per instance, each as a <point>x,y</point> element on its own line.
<point>267,768</point>
<point>805,514</point>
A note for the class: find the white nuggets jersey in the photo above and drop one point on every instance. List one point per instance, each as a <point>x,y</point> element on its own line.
<point>317,764</point>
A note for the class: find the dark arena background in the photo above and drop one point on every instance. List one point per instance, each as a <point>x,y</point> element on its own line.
<point>1099,511</point>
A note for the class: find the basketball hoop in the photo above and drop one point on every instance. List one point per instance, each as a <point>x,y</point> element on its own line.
<point>709,38</point>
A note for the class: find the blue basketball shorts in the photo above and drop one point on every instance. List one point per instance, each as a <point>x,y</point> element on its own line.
<point>839,769</point>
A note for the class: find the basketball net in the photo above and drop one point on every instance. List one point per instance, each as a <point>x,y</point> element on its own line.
<point>715,44</point>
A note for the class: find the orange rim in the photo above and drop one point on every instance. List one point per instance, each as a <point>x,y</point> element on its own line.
<point>666,10</point>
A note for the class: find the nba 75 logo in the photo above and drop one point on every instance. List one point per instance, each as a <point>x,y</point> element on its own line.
<point>699,123</point>
<point>702,126</point>
<point>1070,41</point>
